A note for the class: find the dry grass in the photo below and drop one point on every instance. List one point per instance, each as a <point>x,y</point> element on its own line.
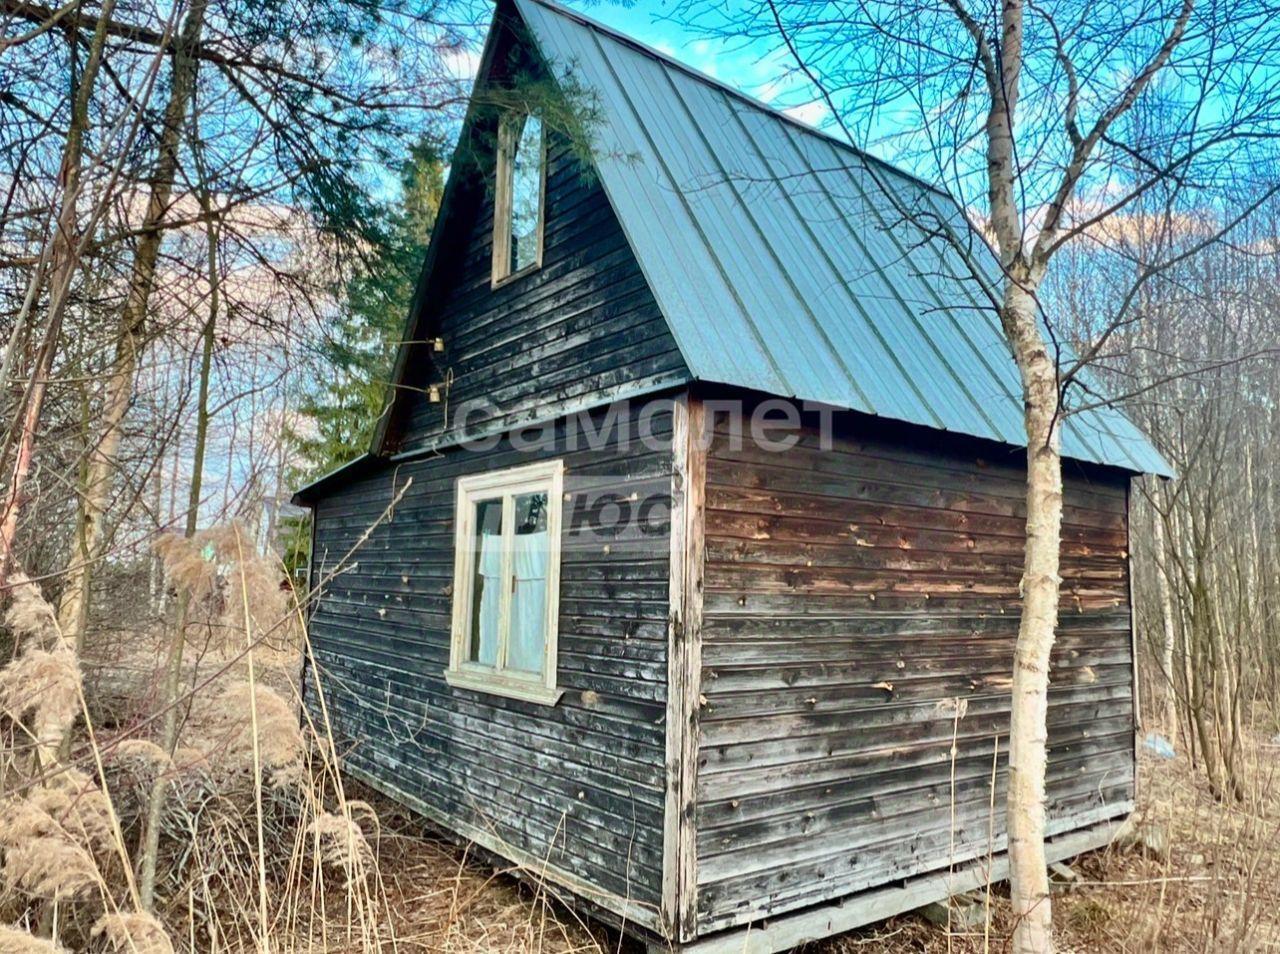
<point>444,899</point>
<point>17,941</point>
<point>133,931</point>
<point>259,847</point>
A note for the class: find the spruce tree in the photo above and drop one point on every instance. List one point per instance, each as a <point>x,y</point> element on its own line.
<point>354,362</point>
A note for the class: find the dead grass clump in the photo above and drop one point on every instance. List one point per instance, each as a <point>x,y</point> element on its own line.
<point>224,728</point>
<point>79,807</point>
<point>1085,915</point>
<point>228,585</point>
<point>144,753</point>
<point>51,835</point>
<point>187,758</point>
<point>29,614</point>
<point>447,900</point>
<point>343,845</point>
<point>14,940</point>
<point>133,931</point>
<point>255,848</point>
<point>50,868</point>
<point>39,689</point>
<point>42,685</point>
<point>189,565</point>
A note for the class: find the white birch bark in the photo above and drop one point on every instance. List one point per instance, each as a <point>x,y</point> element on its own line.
<point>1028,733</point>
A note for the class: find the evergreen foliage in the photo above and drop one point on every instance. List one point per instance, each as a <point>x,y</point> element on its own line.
<point>341,403</point>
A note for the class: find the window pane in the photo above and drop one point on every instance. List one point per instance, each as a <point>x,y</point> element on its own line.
<point>526,194</point>
<point>526,644</point>
<point>486,591</point>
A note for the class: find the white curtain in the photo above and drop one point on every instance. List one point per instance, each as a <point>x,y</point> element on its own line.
<point>489,569</point>
<point>525,644</point>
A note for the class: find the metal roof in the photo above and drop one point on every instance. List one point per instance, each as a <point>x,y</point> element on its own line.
<point>788,262</point>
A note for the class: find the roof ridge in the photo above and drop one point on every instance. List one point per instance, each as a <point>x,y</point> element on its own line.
<point>692,71</point>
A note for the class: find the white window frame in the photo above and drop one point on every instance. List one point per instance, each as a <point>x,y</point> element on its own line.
<point>510,127</point>
<point>504,485</point>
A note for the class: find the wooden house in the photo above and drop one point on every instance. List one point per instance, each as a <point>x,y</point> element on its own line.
<point>683,571</point>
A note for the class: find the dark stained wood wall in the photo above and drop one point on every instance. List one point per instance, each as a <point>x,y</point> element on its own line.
<point>565,336</point>
<point>857,602</point>
<point>579,785</point>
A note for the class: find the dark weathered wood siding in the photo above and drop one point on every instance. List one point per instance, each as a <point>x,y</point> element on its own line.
<point>860,609</point>
<point>569,335</point>
<point>579,785</point>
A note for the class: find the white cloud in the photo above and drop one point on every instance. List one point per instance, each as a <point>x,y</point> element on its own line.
<point>812,113</point>
<point>461,63</point>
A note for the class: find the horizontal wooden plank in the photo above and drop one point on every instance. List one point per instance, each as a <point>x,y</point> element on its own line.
<point>752,898</point>
<point>581,782</point>
<point>861,607</point>
<point>583,324</point>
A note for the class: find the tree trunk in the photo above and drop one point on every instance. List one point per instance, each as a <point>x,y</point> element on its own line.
<point>1028,734</point>
<point>131,340</point>
<point>173,663</point>
<point>63,256</point>
<point>1169,635</point>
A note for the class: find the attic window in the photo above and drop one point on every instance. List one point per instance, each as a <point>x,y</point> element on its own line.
<point>506,582</point>
<point>519,197</point>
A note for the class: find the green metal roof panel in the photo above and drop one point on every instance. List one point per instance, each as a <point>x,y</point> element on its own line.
<point>790,263</point>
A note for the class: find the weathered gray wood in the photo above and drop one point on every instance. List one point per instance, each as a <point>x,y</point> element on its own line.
<point>860,608</point>
<point>679,674</point>
<point>1133,641</point>
<point>689,565</point>
<point>783,933</point>
<point>532,868</point>
<point>556,339</point>
<point>581,785</point>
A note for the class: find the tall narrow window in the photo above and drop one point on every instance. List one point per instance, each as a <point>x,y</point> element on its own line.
<point>519,197</point>
<point>507,582</point>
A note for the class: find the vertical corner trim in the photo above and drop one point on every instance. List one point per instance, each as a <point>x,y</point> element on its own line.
<point>1133,631</point>
<point>684,667</point>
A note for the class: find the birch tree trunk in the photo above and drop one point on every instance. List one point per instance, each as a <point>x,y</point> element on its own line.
<point>1024,263</point>
<point>1029,881</point>
<point>1019,313</point>
<point>131,338</point>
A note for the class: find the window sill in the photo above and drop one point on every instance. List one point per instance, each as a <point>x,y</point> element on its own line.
<point>496,282</point>
<point>525,690</point>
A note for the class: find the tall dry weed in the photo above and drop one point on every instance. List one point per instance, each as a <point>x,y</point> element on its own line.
<point>40,689</point>
<point>343,845</point>
<point>219,572</point>
<point>223,725</point>
<point>254,806</point>
<point>29,615</point>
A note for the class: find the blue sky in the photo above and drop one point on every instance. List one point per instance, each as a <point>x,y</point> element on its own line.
<point>751,70</point>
